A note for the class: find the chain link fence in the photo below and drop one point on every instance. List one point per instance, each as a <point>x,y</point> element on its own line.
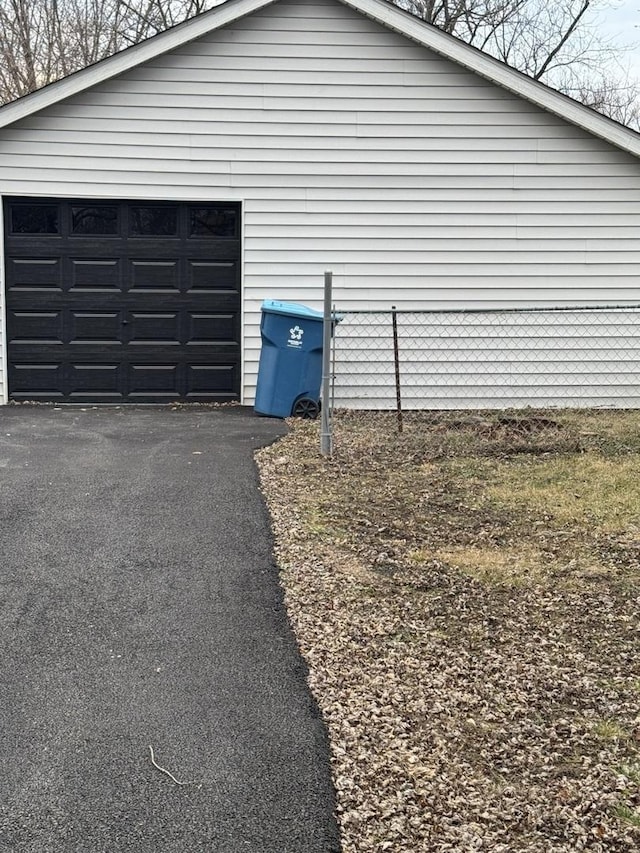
<point>487,359</point>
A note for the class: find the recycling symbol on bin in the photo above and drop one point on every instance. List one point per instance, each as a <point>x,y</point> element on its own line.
<point>295,337</point>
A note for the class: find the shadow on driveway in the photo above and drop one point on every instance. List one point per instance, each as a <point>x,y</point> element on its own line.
<point>139,605</point>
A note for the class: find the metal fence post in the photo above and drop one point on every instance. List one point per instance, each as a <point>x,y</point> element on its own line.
<point>334,329</point>
<point>396,361</point>
<point>325,427</point>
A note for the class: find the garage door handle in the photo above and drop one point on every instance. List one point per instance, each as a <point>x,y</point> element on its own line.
<point>125,322</point>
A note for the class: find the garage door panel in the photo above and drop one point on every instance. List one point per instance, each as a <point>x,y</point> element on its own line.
<point>117,315</point>
<point>208,275</point>
<point>210,329</point>
<point>154,380</point>
<point>154,327</point>
<point>29,327</point>
<point>155,275</point>
<point>31,380</point>
<point>210,380</point>
<point>95,274</point>
<point>226,301</point>
<point>102,327</point>
<point>99,379</point>
<point>34,273</point>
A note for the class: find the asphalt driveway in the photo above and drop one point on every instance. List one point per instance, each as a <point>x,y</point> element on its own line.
<point>139,605</point>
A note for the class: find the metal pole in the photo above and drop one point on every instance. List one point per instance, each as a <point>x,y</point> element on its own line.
<point>333,361</point>
<point>325,427</point>
<point>396,359</point>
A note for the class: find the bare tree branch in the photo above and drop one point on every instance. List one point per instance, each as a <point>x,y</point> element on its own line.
<point>563,40</point>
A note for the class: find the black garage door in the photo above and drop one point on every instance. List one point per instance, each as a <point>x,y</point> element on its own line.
<point>134,302</point>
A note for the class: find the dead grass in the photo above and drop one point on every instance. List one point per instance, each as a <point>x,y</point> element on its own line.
<point>511,566</point>
<point>466,596</point>
<point>586,489</point>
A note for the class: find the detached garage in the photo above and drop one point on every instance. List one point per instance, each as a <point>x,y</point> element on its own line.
<point>152,201</point>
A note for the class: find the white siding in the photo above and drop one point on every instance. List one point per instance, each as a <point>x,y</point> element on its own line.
<point>353,149</point>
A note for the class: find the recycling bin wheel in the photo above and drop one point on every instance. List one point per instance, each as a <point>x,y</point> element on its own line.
<point>305,407</point>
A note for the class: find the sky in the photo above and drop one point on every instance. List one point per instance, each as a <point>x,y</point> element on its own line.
<point>622,22</point>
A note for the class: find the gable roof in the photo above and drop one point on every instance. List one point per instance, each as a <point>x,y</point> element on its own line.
<point>381,11</point>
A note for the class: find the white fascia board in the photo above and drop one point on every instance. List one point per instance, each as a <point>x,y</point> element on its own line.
<point>385,13</point>
<point>105,69</point>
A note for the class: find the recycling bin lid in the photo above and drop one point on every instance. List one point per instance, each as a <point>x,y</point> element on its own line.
<point>291,309</point>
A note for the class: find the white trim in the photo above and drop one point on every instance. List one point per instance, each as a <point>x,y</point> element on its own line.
<point>4,349</point>
<point>381,11</point>
<point>70,196</point>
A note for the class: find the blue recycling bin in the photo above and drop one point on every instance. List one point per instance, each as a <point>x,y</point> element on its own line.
<point>290,370</point>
